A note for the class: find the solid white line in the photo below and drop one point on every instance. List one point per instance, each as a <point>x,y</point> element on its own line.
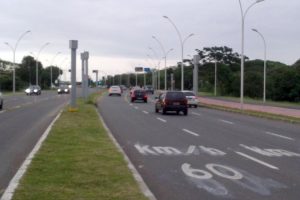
<point>256,160</point>
<point>190,132</point>
<point>144,187</point>
<point>160,119</point>
<point>227,122</point>
<point>145,112</point>
<point>196,114</point>
<point>277,135</point>
<point>13,184</point>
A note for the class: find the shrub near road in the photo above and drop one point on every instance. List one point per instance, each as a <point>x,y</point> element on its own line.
<point>78,161</point>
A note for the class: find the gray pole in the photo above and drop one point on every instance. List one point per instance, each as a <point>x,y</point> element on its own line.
<point>196,61</point>
<point>172,82</point>
<point>86,53</point>
<point>216,78</point>
<point>82,75</point>
<point>73,46</point>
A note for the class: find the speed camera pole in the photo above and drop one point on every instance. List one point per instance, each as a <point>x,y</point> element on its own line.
<point>73,46</point>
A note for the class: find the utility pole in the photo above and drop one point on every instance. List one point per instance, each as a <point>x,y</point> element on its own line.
<point>73,46</point>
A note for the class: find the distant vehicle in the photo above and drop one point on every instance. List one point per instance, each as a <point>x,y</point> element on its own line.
<point>33,89</point>
<point>63,89</point>
<point>115,90</point>
<point>134,88</point>
<point>171,101</point>
<point>139,95</point>
<point>1,101</point>
<point>191,98</point>
<point>123,87</point>
<point>149,89</point>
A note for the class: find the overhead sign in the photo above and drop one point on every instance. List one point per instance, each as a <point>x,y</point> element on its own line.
<point>147,69</point>
<point>138,69</point>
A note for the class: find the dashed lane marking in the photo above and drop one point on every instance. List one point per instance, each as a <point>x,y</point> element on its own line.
<point>227,122</point>
<point>145,112</point>
<point>277,135</point>
<point>162,120</point>
<point>257,160</point>
<point>197,114</point>
<point>190,132</point>
<point>135,107</point>
<point>2,111</point>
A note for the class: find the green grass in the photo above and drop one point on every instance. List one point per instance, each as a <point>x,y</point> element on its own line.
<point>78,161</point>
<point>253,101</point>
<point>254,113</point>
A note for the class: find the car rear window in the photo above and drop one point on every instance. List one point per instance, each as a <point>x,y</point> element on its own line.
<point>115,87</point>
<point>175,95</point>
<point>189,94</point>
<point>139,92</point>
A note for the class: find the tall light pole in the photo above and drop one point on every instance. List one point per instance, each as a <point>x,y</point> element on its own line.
<point>158,66</point>
<point>14,57</point>
<point>182,42</point>
<point>37,62</point>
<point>165,57</point>
<point>265,62</point>
<point>243,14</point>
<point>51,67</point>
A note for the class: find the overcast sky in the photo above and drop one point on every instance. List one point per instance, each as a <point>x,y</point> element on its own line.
<point>117,33</point>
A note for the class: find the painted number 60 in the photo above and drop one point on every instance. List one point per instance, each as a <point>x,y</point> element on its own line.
<point>220,170</point>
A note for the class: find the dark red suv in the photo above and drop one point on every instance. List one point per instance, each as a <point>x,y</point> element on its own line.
<point>171,101</point>
<point>139,95</point>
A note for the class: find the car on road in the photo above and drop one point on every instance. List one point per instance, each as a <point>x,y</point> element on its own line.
<point>115,90</point>
<point>149,89</point>
<point>139,95</point>
<point>63,89</point>
<point>33,89</point>
<point>1,101</point>
<point>171,101</point>
<point>123,87</point>
<point>191,98</point>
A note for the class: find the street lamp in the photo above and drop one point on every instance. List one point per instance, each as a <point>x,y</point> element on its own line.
<point>243,14</point>
<point>14,57</point>
<point>158,66</point>
<point>265,62</point>
<point>165,57</point>
<point>182,42</point>
<point>37,58</point>
<point>51,67</point>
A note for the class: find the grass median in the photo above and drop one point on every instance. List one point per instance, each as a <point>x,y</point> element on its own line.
<point>78,161</point>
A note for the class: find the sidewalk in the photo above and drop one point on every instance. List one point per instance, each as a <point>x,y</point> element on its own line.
<point>251,107</point>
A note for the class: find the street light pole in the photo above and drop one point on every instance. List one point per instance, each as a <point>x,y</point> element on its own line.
<point>243,14</point>
<point>14,58</point>
<point>182,41</point>
<point>51,67</point>
<point>165,57</point>
<point>158,67</point>
<point>265,62</point>
<point>37,61</point>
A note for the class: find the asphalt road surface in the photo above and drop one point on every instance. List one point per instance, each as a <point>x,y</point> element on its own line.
<point>208,154</point>
<point>22,121</point>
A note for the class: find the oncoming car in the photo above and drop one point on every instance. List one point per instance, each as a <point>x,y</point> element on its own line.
<point>115,90</point>
<point>63,89</point>
<point>171,101</point>
<point>33,89</point>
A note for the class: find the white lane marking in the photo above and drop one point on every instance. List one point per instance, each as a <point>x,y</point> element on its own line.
<point>131,104</point>
<point>277,135</point>
<point>256,160</point>
<point>196,114</point>
<point>145,112</point>
<point>227,122</point>
<point>16,107</point>
<point>190,132</point>
<point>136,107</point>
<point>13,184</point>
<point>160,119</point>
<point>2,111</point>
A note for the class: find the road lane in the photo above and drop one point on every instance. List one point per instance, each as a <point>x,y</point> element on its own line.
<point>176,165</point>
<point>20,129</point>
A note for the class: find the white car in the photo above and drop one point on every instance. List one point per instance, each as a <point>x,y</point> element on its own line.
<point>1,101</point>
<point>115,90</point>
<point>191,98</point>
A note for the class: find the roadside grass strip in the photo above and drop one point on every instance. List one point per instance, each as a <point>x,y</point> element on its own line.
<point>78,161</point>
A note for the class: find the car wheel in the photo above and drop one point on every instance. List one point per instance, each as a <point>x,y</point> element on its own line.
<point>185,112</point>
<point>164,111</point>
<point>109,94</point>
<point>145,101</point>
<point>156,110</point>
<point>190,106</point>
<point>196,106</point>
<point>177,112</point>
<point>1,106</point>
<point>132,100</point>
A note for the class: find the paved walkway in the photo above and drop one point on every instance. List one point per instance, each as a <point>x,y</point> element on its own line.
<point>252,107</point>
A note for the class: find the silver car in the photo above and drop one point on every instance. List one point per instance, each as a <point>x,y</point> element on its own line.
<point>191,98</point>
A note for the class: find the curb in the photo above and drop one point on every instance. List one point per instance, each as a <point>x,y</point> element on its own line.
<point>13,184</point>
<point>143,186</point>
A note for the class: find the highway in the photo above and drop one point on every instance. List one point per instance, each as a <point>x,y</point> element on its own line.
<point>208,154</point>
<point>22,121</point>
